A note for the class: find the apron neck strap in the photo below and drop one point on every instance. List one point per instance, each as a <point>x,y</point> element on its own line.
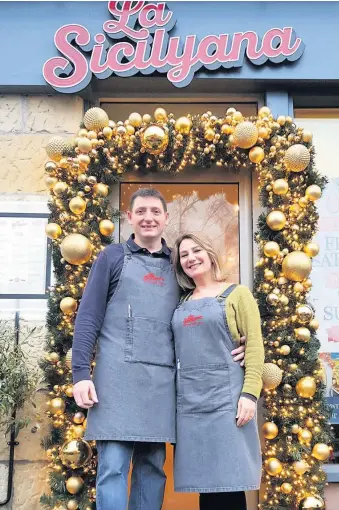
<point>228,291</point>
<point>127,250</point>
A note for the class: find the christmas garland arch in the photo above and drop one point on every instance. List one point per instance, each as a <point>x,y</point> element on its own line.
<point>296,430</point>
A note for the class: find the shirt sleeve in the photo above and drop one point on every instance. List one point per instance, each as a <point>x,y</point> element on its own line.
<point>249,325</point>
<point>90,317</point>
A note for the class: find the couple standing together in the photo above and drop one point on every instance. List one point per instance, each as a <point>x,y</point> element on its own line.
<point>166,327</point>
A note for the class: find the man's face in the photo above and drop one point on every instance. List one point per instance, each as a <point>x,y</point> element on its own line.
<point>148,218</point>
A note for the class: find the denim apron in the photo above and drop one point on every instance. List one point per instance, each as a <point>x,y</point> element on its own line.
<point>212,454</point>
<point>134,374</point>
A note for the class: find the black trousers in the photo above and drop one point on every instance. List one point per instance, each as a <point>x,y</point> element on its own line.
<point>222,501</point>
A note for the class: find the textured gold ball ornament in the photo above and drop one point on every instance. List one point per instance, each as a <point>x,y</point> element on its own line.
<point>304,436</point>
<point>84,144</point>
<point>297,158</point>
<point>272,376</point>
<point>76,249</point>
<point>53,230</point>
<point>313,192</point>
<point>304,314</point>
<point>270,430</point>
<point>77,205</point>
<point>55,148</point>
<point>160,115</point>
<point>72,504</point>
<point>280,187</point>
<point>302,334</point>
<point>96,119</point>
<point>183,125</point>
<point>78,417</point>
<point>297,266</point>
<point>74,484</point>
<point>68,358</point>
<point>57,406</point>
<point>68,305</point>
<point>312,503</point>
<point>321,451</point>
<point>306,387</point>
<point>300,467</point>
<point>245,135</point>
<point>273,466</point>
<point>135,119</point>
<point>100,189</point>
<point>106,227</point>
<point>276,220</point>
<point>311,249</point>
<point>286,488</point>
<point>60,187</point>
<point>50,181</point>
<point>256,155</point>
<point>75,453</point>
<point>154,139</point>
<point>271,249</point>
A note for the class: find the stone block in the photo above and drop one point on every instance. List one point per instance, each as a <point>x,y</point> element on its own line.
<point>3,484</point>
<point>11,114</point>
<point>52,114</point>
<point>29,484</point>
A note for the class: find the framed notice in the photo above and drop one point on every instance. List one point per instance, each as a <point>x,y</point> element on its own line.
<point>25,256</point>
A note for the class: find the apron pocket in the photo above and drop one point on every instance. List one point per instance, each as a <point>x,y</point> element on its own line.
<point>149,341</point>
<point>204,390</point>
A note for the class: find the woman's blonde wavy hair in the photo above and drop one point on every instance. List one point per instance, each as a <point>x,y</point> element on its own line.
<point>185,282</point>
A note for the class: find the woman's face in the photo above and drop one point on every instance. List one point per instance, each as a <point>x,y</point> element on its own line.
<point>194,260</point>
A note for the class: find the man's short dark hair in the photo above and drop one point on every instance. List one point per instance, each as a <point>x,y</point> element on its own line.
<point>145,193</point>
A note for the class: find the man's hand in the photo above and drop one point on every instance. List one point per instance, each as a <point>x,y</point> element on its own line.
<point>239,353</point>
<point>84,394</point>
<point>246,411</point>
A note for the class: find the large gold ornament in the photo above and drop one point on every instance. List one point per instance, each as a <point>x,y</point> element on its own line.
<point>72,504</point>
<point>106,227</point>
<point>183,125</point>
<point>76,249</point>
<point>280,187</point>
<point>273,466</point>
<point>57,406</point>
<point>272,376</point>
<point>321,451</point>
<point>300,467</point>
<point>297,266</point>
<point>286,488</point>
<point>84,144</point>
<point>276,220</point>
<point>256,155</point>
<point>100,189</point>
<point>75,454</point>
<point>313,192</point>
<point>270,430</point>
<point>271,249</point>
<point>53,230</point>
<point>96,119</point>
<point>297,158</point>
<point>302,334</point>
<point>245,135</point>
<point>135,119</point>
<point>55,148</point>
<point>154,139</point>
<point>311,249</point>
<point>68,305</point>
<point>304,314</point>
<point>77,205</point>
<point>312,503</point>
<point>74,484</point>
<point>306,387</point>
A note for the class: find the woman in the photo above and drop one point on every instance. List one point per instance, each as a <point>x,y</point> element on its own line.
<point>217,451</point>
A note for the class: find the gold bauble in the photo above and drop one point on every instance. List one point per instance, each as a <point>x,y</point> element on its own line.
<point>302,334</point>
<point>297,158</point>
<point>96,119</point>
<point>309,422</point>
<point>300,467</point>
<point>50,166</point>
<point>295,428</point>
<point>146,118</point>
<point>50,181</point>
<point>263,133</point>
<point>272,376</point>
<point>75,453</point>
<point>268,275</point>
<point>76,249</point>
<point>54,357</point>
<point>313,192</point>
<point>85,423</point>
<point>160,115</point>
<point>245,135</point>
<point>264,111</point>
<point>78,431</point>
<point>154,139</point>
<point>55,148</point>
<point>270,430</point>
<point>183,125</point>
<point>312,503</point>
<point>209,134</point>
<point>69,391</point>
<point>72,504</point>
<point>106,227</point>
<point>92,135</point>
<point>286,488</point>
<point>68,305</point>
<point>285,350</point>
<point>107,132</point>
<point>57,406</point>
<point>68,358</point>
<point>256,155</point>
<point>273,466</point>
<point>84,144</point>
<point>314,324</point>
<point>82,178</point>
<point>226,129</point>
<point>84,160</point>
<point>280,187</point>
<point>271,249</point>
<point>130,130</point>
<point>77,205</point>
<point>311,249</point>
<point>78,417</point>
<point>297,266</point>
<point>304,436</point>
<point>306,387</point>
<point>100,189</point>
<point>60,187</point>
<point>272,299</point>
<point>307,136</point>
<point>74,484</point>
<point>298,287</point>
<point>304,313</point>
<point>135,119</point>
<point>53,230</point>
<point>303,202</point>
<point>281,120</point>
<point>321,451</point>
<point>276,220</point>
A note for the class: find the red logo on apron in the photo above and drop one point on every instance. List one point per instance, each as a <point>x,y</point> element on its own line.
<point>192,320</point>
<point>152,278</point>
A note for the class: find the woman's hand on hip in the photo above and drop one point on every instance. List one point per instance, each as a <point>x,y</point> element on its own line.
<point>246,411</point>
<point>239,353</point>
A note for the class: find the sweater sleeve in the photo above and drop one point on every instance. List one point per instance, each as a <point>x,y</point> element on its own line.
<point>249,325</point>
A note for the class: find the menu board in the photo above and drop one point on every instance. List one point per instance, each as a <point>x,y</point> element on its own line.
<point>23,255</point>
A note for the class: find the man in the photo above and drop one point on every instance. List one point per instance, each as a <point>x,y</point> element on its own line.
<point>127,308</point>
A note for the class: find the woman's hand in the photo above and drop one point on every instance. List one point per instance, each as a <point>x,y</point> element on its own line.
<point>239,353</point>
<point>246,411</point>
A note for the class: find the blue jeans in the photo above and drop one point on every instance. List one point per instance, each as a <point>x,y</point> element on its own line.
<point>148,477</point>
